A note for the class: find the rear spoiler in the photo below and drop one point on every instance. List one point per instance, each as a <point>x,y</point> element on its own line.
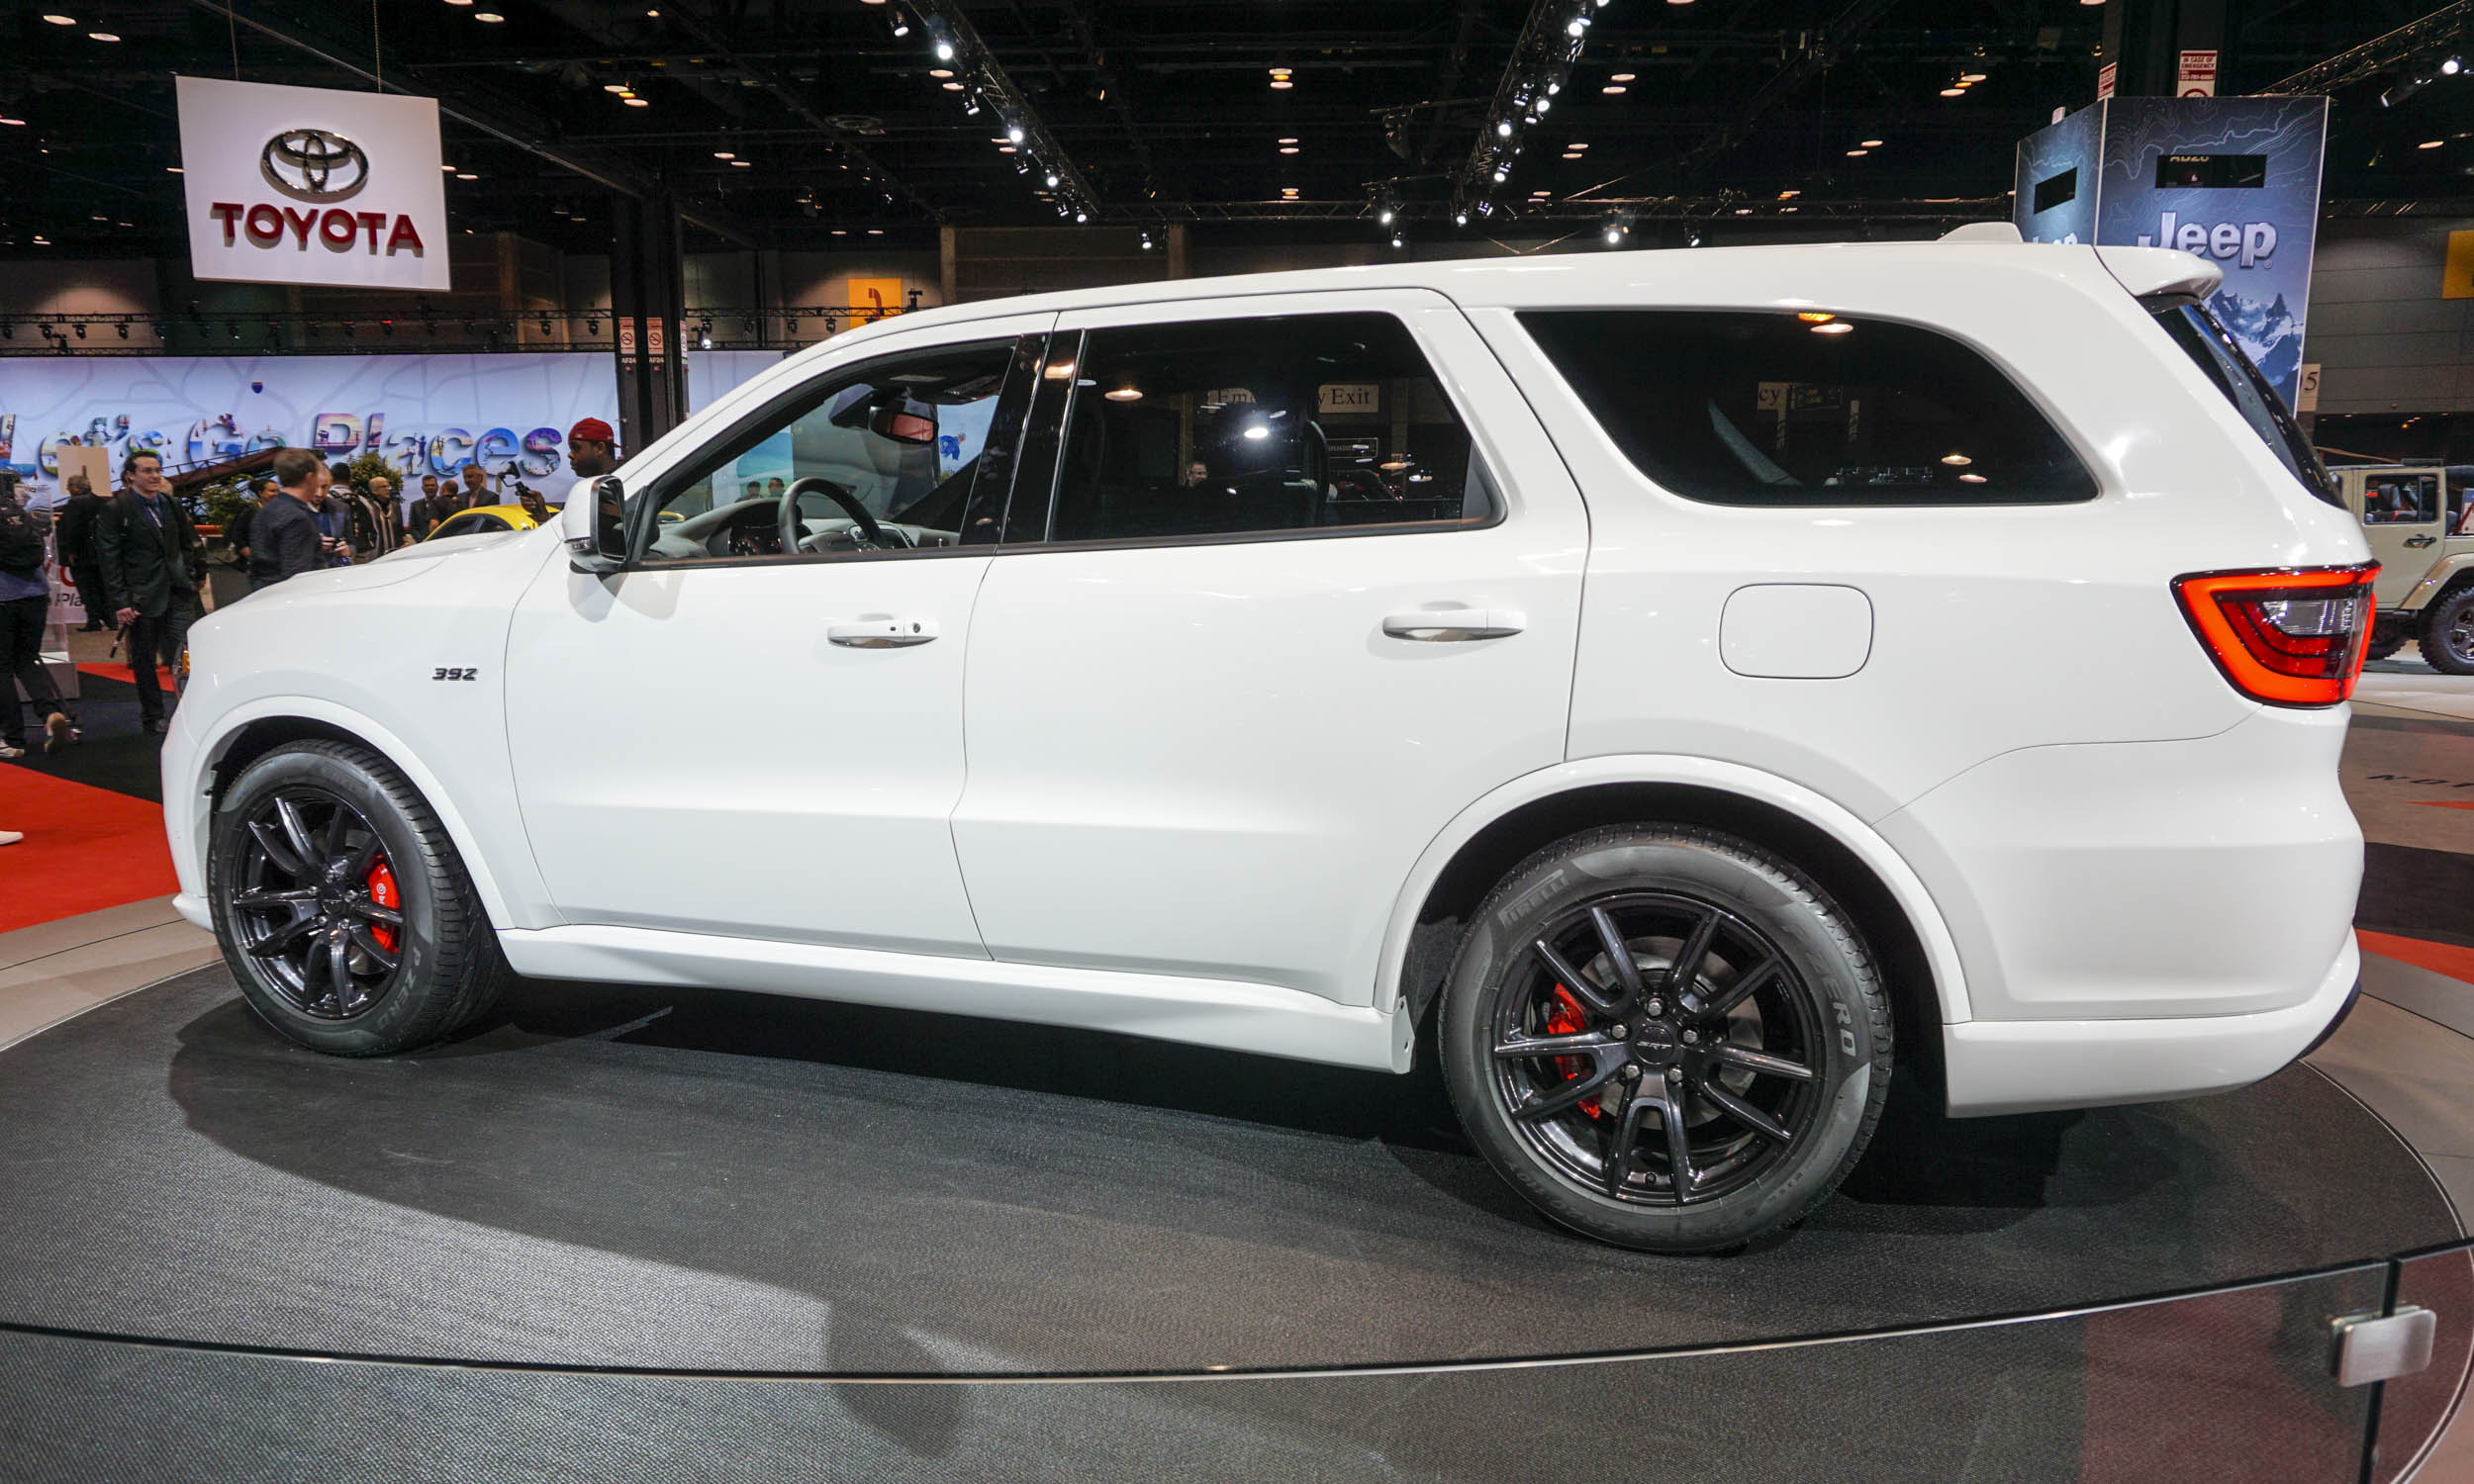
<point>2161,275</point>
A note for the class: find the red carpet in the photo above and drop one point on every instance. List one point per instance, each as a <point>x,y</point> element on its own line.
<point>2439,958</point>
<point>84,849</point>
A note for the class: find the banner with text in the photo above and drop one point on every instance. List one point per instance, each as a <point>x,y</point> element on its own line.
<point>425,414</point>
<point>2234,181</point>
<point>312,185</point>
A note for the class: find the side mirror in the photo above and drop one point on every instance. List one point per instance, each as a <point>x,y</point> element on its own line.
<point>593,525</point>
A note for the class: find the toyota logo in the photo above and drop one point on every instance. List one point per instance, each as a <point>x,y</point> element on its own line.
<point>314,164</point>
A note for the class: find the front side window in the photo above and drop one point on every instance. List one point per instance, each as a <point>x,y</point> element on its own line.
<point>886,457</point>
<point>2401,500</point>
<point>1770,407</point>
<point>1282,423</point>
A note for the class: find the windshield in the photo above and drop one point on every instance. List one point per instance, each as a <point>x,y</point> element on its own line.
<point>2213,348</point>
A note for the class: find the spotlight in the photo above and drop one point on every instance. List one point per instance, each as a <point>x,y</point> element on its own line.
<point>1504,129</point>
<point>901,25</point>
<point>2452,66</point>
<point>944,49</point>
<point>1385,216</point>
<point>1459,219</point>
<point>2402,89</point>
<point>1013,131</point>
<point>1052,180</point>
<point>1397,241</point>
<point>704,342</point>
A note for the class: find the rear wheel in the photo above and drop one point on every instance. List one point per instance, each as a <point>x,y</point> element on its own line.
<point>2448,633</point>
<point>345,913</point>
<point>1666,1037</point>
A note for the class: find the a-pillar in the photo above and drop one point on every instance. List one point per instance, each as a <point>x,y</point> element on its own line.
<point>647,302</point>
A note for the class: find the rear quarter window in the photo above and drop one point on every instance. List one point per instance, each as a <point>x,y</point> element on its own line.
<point>1772,408</point>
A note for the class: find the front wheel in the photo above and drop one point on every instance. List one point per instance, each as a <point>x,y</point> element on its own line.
<point>344,911</point>
<point>2448,633</point>
<point>1666,1037</point>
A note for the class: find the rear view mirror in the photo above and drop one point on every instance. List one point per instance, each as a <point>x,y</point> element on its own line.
<point>593,525</point>
<point>900,427</point>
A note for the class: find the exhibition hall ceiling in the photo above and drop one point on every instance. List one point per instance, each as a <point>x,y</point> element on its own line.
<point>809,123</point>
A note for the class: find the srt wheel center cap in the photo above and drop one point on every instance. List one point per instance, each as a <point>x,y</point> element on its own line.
<point>1655,1045</point>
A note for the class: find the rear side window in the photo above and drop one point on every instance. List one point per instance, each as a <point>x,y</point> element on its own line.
<point>1781,409</point>
<point>1283,425</point>
<point>2221,357</point>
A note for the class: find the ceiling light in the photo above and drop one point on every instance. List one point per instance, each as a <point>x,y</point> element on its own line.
<point>2430,144</point>
<point>1971,479</point>
<point>1613,88</point>
<point>1789,195</point>
<point>1834,328</point>
<point>1287,149</point>
<point>616,87</point>
<point>901,25</point>
<point>1970,79</point>
<point>876,231</point>
<point>1869,143</point>
<point>1503,128</point>
<point>1621,77</point>
<point>466,175</point>
<point>723,155</point>
<point>1579,25</point>
<point>1577,144</point>
<point>652,14</point>
<point>1014,134</point>
<point>62,20</point>
<point>449,170</point>
<point>101,36</point>
<point>1852,154</point>
<point>1572,154</point>
<point>1953,92</point>
<point>1052,180</point>
<point>1289,139</point>
<point>940,71</point>
<point>2452,66</point>
<point>459,2</point>
<point>1956,460</point>
<point>488,16</point>
<point>1123,394</point>
<point>742,164</point>
<point>1397,241</point>
<point>944,49</point>
<point>14,122</point>
<point>1743,211</point>
<point>167,169</point>
<point>1815,317</point>
<point>1499,175</point>
<point>632,101</point>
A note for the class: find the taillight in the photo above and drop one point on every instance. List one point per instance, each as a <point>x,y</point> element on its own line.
<point>2290,638</point>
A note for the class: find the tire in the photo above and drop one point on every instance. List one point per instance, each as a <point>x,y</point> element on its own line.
<point>2448,633</point>
<point>447,969</point>
<point>1806,995</point>
<point>2386,640</point>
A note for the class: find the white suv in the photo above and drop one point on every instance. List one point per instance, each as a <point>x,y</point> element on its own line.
<point>1692,685</point>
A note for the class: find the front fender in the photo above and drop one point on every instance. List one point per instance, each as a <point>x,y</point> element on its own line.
<point>1840,824</point>
<point>510,890</point>
<point>2436,581</point>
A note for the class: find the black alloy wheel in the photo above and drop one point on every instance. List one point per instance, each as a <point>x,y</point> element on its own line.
<point>1657,1047</point>
<point>345,913</point>
<point>317,903</point>
<point>2448,633</point>
<point>1666,1037</point>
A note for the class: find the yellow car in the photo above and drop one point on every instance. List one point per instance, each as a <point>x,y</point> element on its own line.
<point>485,518</point>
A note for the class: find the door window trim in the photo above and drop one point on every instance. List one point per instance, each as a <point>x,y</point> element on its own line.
<point>1055,431</point>
<point>644,511</point>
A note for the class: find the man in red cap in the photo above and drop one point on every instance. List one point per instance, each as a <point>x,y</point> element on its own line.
<point>592,448</point>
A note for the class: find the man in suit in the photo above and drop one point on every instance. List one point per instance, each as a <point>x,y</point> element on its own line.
<point>74,536</point>
<point>153,564</point>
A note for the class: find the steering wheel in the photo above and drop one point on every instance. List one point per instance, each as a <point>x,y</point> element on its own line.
<point>870,535</point>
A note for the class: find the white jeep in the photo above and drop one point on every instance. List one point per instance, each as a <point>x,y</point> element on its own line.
<point>1679,689</point>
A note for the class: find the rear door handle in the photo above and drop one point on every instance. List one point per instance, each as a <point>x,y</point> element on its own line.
<point>882,633</point>
<point>1454,625</point>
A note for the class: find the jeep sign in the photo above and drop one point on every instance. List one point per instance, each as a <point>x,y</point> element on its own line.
<point>312,186</point>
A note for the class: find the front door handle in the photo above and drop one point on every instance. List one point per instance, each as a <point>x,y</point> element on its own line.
<point>1454,625</point>
<point>882,633</point>
<point>2421,540</point>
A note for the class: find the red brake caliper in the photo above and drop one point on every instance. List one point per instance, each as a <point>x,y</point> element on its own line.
<point>1563,1020</point>
<point>383,891</point>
